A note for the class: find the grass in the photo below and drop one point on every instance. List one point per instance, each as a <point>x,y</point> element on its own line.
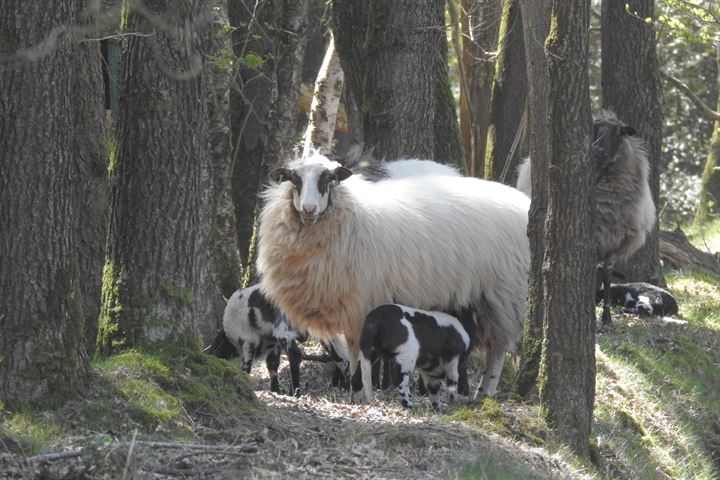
<point>166,393</point>
<point>657,410</point>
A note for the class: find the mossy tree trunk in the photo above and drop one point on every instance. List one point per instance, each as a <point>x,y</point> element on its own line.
<point>220,264</point>
<point>51,103</point>
<point>264,101</point>
<point>536,24</point>
<point>508,99</point>
<point>631,88</point>
<point>250,101</point>
<point>394,55</point>
<point>151,278</point>
<point>480,21</point>
<point>709,198</point>
<point>567,370</point>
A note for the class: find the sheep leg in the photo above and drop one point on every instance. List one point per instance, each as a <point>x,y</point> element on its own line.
<point>494,361</point>
<point>376,373</point>
<point>463,383</point>
<point>451,378</point>
<point>357,396</point>
<point>433,386</point>
<point>248,355</point>
<point>606,315</point>
<point>294,357</point>
<point>387,379</point>
<point>273,363</point>
<point>403,388</point>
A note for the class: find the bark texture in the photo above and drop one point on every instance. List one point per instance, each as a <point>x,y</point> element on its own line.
<point>709,198</point>
<point>220,265</point>
<point>45,163</point>
<point>536,23</point>
<point>567,376</point>
<point>631,88</point>
<point>274,131</point>
<point>250,101</point>
<point>394,55</point>
<point>504,146</point>
<point>151,275</point>
<point>480,22</point>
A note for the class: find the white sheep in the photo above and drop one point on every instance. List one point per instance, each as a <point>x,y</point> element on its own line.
<point>625,211</point>
<point>332,247</point>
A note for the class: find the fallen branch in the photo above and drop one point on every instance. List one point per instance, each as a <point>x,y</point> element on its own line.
<point>676,250</point>
<point>50,457</point>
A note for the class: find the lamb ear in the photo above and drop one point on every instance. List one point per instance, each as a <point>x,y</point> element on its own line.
<point>628,131</point>
<point>341,173</point>
<point>280,174</point>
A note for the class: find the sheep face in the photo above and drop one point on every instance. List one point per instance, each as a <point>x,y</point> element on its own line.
<point>311,183</point>
<point>608,138</point>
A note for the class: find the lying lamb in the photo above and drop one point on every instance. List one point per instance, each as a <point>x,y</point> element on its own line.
<point>640,298</point>
<point>432,342</point>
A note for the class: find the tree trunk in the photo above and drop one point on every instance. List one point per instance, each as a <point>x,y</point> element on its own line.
<point>394,56</point>
<point>265,113</point>
<point>567,372</point>
<point>250,102</point>
<point>504,140</point>
<point>220,264</point>
<point>151,275</point>
<point>45,160</point>
<point>709,198</point>
<point>325,103</point>
<point>480,21</point>
<point>631,88</point>
<point>536,23</point>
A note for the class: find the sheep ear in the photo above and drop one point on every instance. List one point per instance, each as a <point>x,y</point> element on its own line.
<point>280,174</point>
<point>627,131</point>
<point>341,173</point>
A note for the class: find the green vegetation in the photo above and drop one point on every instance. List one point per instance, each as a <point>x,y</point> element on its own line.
<point>167,393</point>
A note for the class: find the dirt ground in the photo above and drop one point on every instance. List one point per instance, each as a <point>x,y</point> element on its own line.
<point>317,435</point>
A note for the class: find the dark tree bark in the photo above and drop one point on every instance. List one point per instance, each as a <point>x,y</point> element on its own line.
<point>151,275</point>
<point>250,102</point>
<point>504,146</point>
<point>536,23</point>
<point>49,93</point>
<point>281,128</point>
<point>95,190</point>
<point>394,55</point>
<point>266,106</point>
<point>220,265</point>
<point>480,22</point>
<point>567,372</point>
<point>631,88</point>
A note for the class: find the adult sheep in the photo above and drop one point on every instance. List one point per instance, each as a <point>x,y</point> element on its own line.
<point>625,212</point>
<point>332,247</point>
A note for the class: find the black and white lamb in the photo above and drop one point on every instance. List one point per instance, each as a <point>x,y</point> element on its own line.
<point>254,329</point>
<point>640,298</point>
<point>431,342</point>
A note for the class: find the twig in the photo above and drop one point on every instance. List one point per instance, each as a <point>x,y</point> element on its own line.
<point>129,455</point>
<point>118,35</point>
<point>315,358</point>
<point>195,446</point>
<point>709,113</point>
<point>49,457</point>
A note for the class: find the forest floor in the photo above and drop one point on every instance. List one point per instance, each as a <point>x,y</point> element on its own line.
<point>181,414</point>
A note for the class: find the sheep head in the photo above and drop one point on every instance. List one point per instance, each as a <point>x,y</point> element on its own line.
<point>312,179</point>
<point>608,136</point>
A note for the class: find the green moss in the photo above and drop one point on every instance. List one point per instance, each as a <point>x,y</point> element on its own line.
<point>28,431</point>
<point>110,338</point>
<point>489,152</point>
<point>489,415</point>
<point>110,145</point>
